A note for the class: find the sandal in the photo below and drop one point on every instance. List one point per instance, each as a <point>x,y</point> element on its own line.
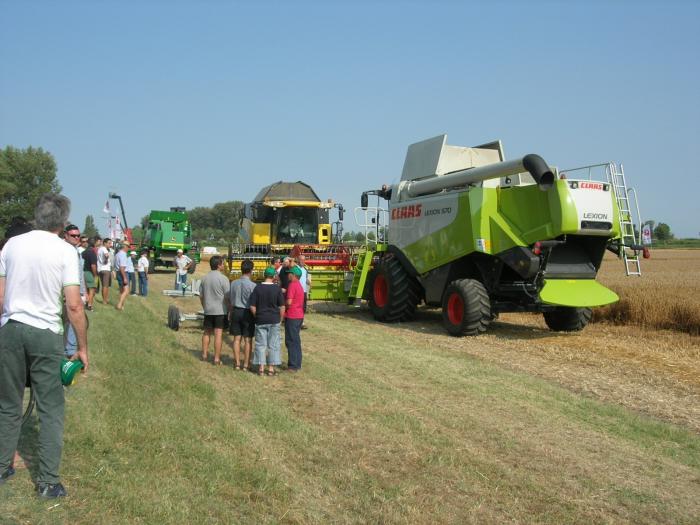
<point>217,363</point>
<point>261,372</point>
<point>272,373</point>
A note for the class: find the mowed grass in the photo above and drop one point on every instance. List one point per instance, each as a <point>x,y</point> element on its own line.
<point>379,427</point>
<point>666,296</point>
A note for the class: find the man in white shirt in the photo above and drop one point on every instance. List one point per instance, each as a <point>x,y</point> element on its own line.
<point>142,269</point>
<point>104,268</point>
<point>121,264</point>
<point>182,265</point>
<point>36,268</point>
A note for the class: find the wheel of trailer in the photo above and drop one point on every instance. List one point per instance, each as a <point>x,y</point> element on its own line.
<point>173,317</point>
<point>567,318</point>
<point>466,308</point>
<point>393,294</point>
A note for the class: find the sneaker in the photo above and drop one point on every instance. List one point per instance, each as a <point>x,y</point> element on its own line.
<point>51,490</point>
<point>9,472</point>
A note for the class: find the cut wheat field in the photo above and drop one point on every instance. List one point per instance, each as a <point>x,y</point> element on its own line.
<point>385,423</point>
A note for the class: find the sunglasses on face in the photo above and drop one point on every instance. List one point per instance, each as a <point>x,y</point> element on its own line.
<point>74,236</point>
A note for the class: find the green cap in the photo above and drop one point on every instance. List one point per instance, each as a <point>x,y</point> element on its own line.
<point>270,272</point>
<point>296,271</point>
<point>68,371</point>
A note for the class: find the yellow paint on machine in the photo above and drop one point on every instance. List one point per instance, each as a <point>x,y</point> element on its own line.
<point>581,293</point>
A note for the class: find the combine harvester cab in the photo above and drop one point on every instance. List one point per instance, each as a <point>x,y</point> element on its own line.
<point>477,235</point>
<point>288,218</point>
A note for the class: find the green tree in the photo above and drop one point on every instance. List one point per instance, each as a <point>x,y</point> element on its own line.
<point>89,230</point>
<point>25,175</point>
<point>137,234</point>
<point>662,232</point>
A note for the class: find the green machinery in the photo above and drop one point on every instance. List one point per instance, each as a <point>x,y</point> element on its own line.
<point>166,233</point>
<point>476,235</point>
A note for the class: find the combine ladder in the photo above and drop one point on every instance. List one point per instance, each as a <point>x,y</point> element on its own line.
<point>364,261</point>
<point>625,199</point>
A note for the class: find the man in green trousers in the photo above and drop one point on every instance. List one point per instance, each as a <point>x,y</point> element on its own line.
<point>36,269</point>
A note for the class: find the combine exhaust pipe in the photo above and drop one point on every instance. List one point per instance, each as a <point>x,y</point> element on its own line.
<point>533,164</point>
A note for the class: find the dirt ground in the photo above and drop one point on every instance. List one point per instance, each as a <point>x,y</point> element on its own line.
<point>655,372</point>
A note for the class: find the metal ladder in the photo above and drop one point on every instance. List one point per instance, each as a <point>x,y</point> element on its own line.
<point>625,199</point>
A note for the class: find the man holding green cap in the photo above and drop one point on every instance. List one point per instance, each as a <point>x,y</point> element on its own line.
<point>31,336</point>
<point>267,306</point>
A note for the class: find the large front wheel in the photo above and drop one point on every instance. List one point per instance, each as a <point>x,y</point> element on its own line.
<point>393,294</point>
<point>466,308</point>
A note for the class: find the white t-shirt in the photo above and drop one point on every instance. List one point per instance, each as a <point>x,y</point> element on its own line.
<point>103,262</point>
<point>36,267</point>
<point>181,263</point>
<point>143,264</point>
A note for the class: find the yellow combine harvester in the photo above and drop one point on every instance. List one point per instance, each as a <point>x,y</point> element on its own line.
<point>284,214</point>
<point>286,218</point>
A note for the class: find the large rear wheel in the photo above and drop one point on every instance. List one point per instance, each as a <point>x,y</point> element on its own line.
<point>393,294</point>
<point>567,318</point>
<point>466,308</point>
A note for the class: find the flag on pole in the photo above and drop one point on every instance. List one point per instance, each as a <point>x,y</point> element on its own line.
<point>646,234</point>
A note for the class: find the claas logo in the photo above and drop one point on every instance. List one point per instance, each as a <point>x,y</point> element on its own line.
<point>591,185</point>
<point>407,212</point>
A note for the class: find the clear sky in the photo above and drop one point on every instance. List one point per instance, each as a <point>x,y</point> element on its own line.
<point>173,103</point>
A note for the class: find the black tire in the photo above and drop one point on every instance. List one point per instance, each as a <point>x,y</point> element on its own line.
<point>173,317</point>
<point>567,318</point>
<point>393,294</point>
<point>466,308</point>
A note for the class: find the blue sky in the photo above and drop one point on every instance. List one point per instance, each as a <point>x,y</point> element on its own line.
<point>193,103</point>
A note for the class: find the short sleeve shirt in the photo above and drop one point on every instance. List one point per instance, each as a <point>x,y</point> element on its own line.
<point>241,289</point>
<point>89,258</point>
<point>33,291</point>
<point>267,299</point>
<point>181,264</point>
<point>121,260</point>
<point>103,264</point>
<point>295,295</point>
<point>214,290</point>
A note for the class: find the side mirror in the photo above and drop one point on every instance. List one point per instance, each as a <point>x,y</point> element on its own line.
<point>364,200</point>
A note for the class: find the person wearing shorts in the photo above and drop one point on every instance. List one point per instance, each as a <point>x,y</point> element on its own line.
<point>213,294</point>
<point>104,268</point>
<point>242,324</point>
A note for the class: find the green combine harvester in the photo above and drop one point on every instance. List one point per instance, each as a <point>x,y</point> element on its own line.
<point>166,233</point>
<point>476,235</point>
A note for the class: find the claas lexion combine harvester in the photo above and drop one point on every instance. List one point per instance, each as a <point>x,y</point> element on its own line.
<point>467,231</point>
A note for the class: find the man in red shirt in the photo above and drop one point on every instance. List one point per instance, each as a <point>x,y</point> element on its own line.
<point>294,316</point>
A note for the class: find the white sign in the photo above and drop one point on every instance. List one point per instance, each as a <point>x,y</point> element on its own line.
<point>646,235</point>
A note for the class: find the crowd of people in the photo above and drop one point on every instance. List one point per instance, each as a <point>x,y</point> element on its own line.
<point>254,313</point>
<point>44,318</point>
